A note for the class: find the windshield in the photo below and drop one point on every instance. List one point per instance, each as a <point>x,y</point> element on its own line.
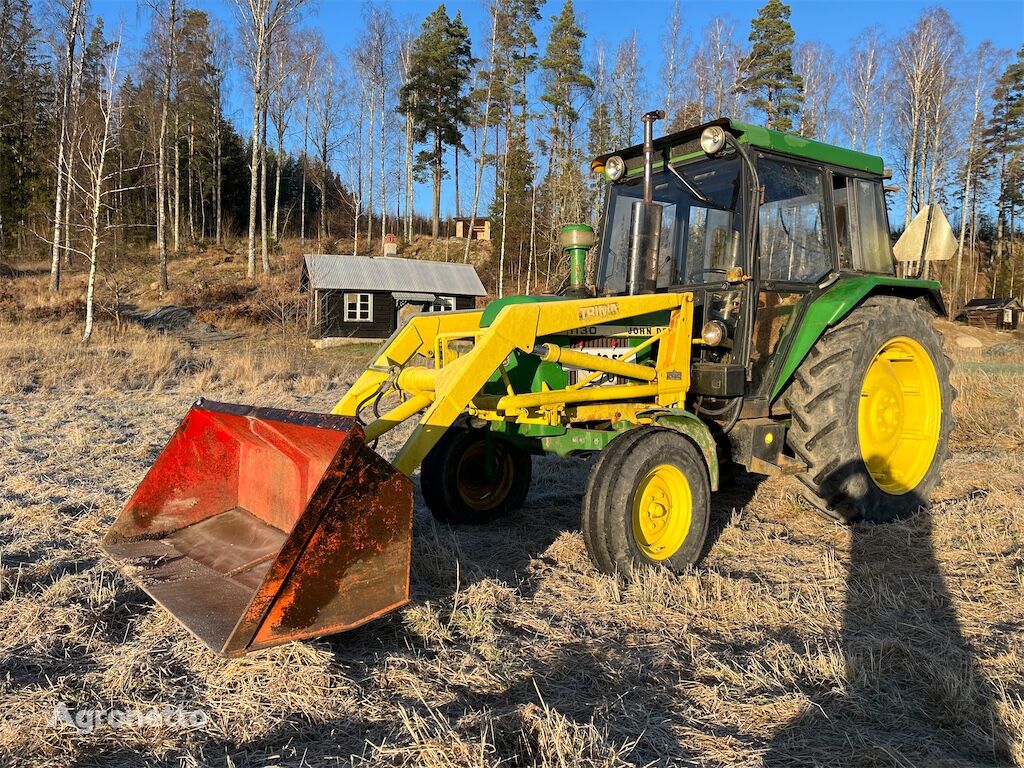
<point>700,235</point>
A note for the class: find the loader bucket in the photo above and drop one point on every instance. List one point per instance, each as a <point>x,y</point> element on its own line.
<point>258,526</point>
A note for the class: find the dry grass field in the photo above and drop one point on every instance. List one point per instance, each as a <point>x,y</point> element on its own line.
<point>796,641</point>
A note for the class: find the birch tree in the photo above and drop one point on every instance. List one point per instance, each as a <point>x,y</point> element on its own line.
<point>920,59</point>
<point>93,152</point>
<point>673,49</point>
<point>986,59</point>
<point>815,63</point>
<point>863,79</point>
<point>260,19</point>
<point>288,71</point>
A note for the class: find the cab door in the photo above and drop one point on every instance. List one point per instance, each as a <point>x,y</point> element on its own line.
<point>796,252</point>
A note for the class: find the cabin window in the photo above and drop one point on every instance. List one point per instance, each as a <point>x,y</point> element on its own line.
<point>358,307</point>
<point>875,246</point>
<point>442,304</point>
<point>841,205</point>
<point>794,246</point>
<point>862,229</point>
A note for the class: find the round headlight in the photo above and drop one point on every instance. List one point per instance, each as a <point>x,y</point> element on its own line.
<point>614,168</point>
<point>714,333</point>
<point>712,139</point>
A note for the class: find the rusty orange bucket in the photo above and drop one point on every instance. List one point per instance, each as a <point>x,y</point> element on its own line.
<point>257,526</point>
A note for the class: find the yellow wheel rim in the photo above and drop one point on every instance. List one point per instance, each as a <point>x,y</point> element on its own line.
<point>900,415</point>
<point>662,511</point>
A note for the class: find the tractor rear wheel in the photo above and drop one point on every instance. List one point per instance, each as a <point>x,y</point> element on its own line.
<point>471,477</point>
<point>647,503</point>
<point>872,411</point>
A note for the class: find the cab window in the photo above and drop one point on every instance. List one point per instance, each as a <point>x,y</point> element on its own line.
<point>862,228</point>
<point>793,242</point>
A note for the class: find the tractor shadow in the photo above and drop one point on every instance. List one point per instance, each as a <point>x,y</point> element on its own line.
<point>521,548</point>
<point>913,693</point>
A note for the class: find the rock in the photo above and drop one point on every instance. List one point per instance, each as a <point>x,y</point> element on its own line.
<point>154,286</point>
<point>968,342</point>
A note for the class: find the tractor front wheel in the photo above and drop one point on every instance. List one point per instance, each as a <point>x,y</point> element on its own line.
<point>471,477</point>
<point>647,503</point>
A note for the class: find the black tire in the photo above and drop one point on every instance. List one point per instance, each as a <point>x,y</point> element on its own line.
<point>825,399</point>
<point>618,475</point>
<point>453,481</point>
<point>614,454</point>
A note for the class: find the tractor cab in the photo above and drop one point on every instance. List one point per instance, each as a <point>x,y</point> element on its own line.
<point>751,221</point>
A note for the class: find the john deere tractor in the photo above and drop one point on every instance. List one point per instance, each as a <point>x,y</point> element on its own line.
<point>742,308</point>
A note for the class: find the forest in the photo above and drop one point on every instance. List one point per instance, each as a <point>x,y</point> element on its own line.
<point>107,151</point>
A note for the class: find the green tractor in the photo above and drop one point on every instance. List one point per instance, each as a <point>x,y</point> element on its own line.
<point>743,308</point>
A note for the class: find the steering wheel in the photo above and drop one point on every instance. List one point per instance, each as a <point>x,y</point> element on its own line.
<point>693,276</point>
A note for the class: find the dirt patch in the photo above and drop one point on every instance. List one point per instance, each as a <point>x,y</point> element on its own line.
<point>181,322</point>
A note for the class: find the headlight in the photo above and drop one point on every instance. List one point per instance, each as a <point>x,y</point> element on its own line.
<point>712,139</point>
<point>714,333</point>
<point>614,168</point>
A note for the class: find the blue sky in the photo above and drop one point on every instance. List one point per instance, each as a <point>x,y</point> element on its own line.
<point>833,22</point>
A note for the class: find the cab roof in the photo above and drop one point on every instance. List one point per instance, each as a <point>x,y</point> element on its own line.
<point>687,142</point>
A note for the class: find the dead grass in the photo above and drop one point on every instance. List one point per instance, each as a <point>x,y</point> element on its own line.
<point>796,642</point>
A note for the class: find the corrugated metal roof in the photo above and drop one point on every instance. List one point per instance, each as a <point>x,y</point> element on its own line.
<point>388,273</point>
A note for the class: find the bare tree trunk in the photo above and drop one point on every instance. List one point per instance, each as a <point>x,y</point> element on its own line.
<point>191,174</point>
<point>177,185</point>
<point>161,173</point>
<point>264,249</point>
<point>504,214</point>
<point>409,189</point>
<point>968,178</point>
<point>98,178</point>
<point>63,152</point>
<point>74,128</point>
<point>483,141</point>
<point>435,223</point>
<point>383,180</point>
<point>277,185</point>
<point>359,177</point>
<point>369,192</point>
<point>254,159</point>
<point>217,170</point>
<point>458,205</point>
<point>305,163</point>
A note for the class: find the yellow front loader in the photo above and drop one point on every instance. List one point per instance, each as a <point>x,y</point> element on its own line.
<point>722,324</point>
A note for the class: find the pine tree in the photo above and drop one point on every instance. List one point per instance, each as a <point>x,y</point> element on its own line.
<point>516,44</point>
<point>1006,136</point>
<point>25,121</point>
<point>766,73</point>
<point>565,79</point>
<point>435,94</point>
<point>565,84</point>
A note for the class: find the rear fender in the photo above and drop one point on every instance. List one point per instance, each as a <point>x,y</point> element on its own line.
<point>837,301</point>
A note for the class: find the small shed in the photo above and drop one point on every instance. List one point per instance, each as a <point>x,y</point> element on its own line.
<point>369,296</point>
<point>998,314</point>
<point>478,228</point>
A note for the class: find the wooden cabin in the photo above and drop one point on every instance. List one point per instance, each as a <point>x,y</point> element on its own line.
<point>997,314</point>
<point>369,296</point>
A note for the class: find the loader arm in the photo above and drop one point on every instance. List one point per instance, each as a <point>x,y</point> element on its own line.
<point>442,393</point>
